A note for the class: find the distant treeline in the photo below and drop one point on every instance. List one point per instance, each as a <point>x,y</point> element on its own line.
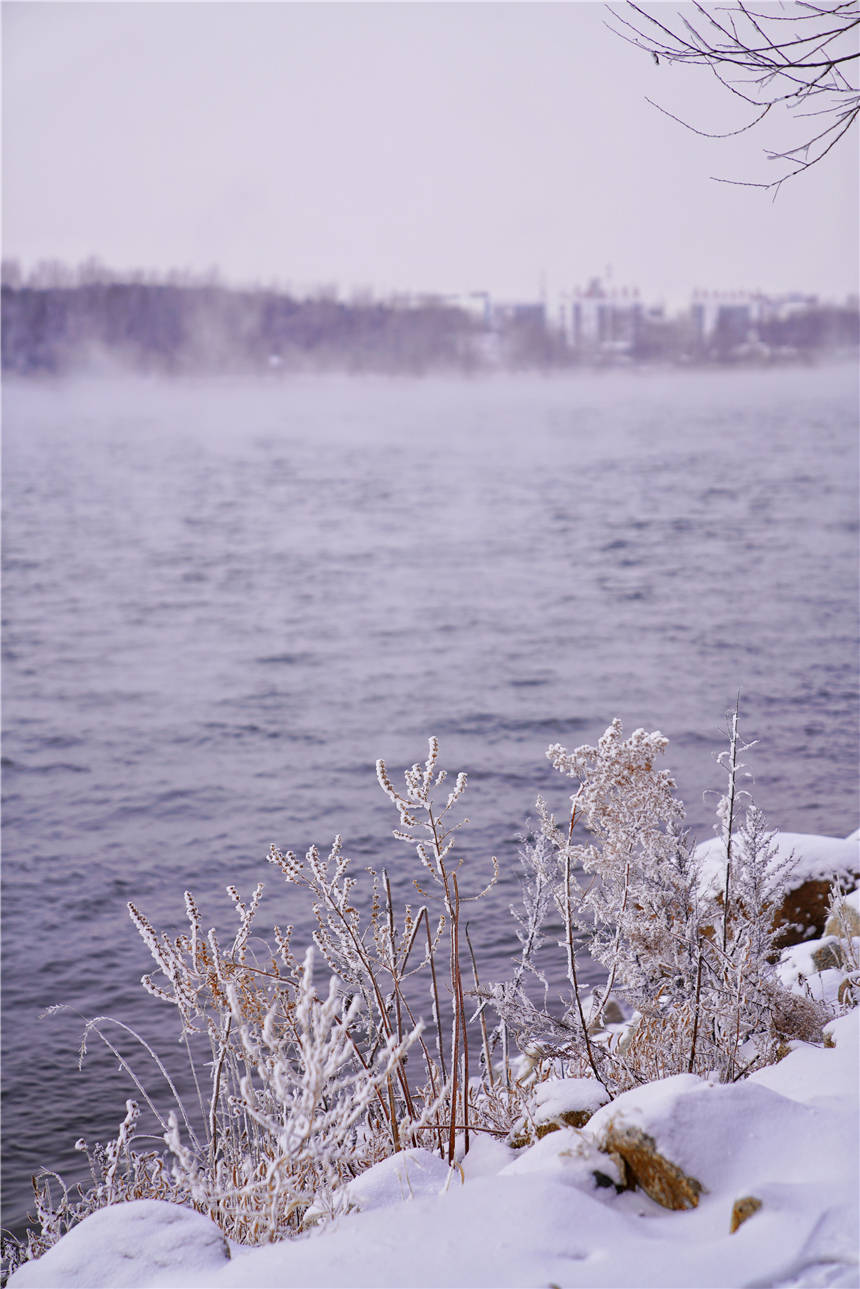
<point>177,329</point>
<point>187,327</point>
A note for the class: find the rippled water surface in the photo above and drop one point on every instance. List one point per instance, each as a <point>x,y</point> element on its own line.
<point>223,602</point>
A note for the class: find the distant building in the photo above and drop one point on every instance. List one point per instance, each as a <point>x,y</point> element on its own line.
<point>477,304</point>
<point>603,320</point>
<point>727,321</point>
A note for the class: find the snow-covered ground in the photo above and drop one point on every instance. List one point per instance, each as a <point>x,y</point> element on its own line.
<point>774,1156</point>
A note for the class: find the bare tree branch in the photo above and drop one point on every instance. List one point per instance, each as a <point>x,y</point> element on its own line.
<point>806,54</point>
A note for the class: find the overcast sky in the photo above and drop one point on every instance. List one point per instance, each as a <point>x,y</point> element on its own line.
<point>431,146</point>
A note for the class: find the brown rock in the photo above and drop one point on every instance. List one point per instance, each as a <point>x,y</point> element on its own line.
<point>793,1016</point>
<point>544,1129</point>
<point>567,1119</point>
<point>664,1181</point>
<point>576,1118</point>
<point>848,996</point>
<point>803,913</point>
<point>743,1208</point>
<point>828,954</point>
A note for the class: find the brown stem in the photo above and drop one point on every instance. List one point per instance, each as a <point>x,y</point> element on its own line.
<point>435,987</point>
<point>216,1093</point>
<point>733,769</point>
<point>461,1008</point>
<point>571,958</point>
<point>692,1059</point>
<point>392,1109</point>
<point>455,1038</point>
<point>488,1065</point>
<point>393,954</point>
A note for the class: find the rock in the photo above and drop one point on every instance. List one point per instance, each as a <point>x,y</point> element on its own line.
<point>664,1181</point>
<point>612,1013</point>
<point>827,954</point>
<point>576,1118</point>
<point>803,913</point>
<point>567,1103</point>
<point>567,1119</point>
<point>793,1016</point>
<point>815,861</point>
<point>575,1159</point>
<point>743,1208</point>
<point>544,1129</point>
<point>847,995</point>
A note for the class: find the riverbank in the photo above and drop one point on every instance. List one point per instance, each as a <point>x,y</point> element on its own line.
<point>683,1181</point>
<point>784,1141</point>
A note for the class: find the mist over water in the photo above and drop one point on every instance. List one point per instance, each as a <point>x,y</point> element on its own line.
<point>224,601</point>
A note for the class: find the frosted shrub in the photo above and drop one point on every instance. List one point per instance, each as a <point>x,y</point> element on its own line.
<point>305,1098</point>
<point>639,912</point>
<point>629,807</point>
<point>378,957</point>
<point>695,966</point>
<point>307,1090</point>
<point>843,925</point>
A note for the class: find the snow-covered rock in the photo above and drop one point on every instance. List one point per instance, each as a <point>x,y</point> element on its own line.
<point>711,1144</point>
<point>815,857</point>
<point>573,1158</point>
<point>826,969</point>
<point>408,1174</point>
<point>129,1246</point>
<point>633,1128</point>
<point>570,1102</point>
<point>815,862</point>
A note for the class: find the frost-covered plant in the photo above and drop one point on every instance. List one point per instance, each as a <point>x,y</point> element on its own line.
<point>843,923</point>
<point>539,867</point>
<point>425,826</point>
<point>118,1172</point>
<point>629,807</point>
<point>751,1009</point>
<point>302,1092</point>
<point>694,964</point>
<point>306,1093</point>
<point>377,955</point>
<point>638,913</point>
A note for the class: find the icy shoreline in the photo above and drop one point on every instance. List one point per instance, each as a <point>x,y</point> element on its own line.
<point>539,1219</point>
<point>774,1157</point>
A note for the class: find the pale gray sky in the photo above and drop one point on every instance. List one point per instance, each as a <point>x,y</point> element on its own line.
<point>432,146</point>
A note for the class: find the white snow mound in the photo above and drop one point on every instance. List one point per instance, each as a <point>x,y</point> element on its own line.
<point>129,1246</point>
<point>786,1136</point>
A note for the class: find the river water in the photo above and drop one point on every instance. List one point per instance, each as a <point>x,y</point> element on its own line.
<point>224,601</point>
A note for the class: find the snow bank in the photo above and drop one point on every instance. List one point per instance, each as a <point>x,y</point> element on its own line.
<point>815,858</point>
<point>131,1245</point>
<point>786,1137</point>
